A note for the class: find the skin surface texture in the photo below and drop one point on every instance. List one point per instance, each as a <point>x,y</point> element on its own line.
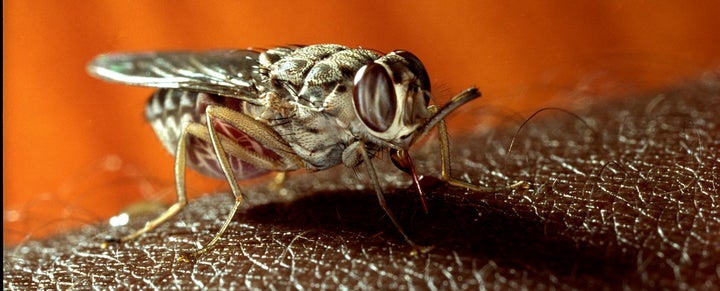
<point>625,197</point>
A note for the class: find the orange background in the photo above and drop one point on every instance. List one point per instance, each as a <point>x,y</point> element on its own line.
<point>77,150</point>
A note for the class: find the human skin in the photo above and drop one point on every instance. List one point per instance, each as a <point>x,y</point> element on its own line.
<point>60,124</point>
<point>623,194</point>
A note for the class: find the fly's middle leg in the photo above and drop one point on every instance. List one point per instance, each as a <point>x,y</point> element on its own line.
<point>223,145</point>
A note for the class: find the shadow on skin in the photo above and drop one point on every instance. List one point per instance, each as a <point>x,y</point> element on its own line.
<point>635,206</point>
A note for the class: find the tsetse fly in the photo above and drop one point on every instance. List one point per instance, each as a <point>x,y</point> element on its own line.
<point>239,114</point>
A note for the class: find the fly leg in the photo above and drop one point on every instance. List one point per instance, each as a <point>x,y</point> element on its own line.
<point>383,204</point>
<point>446,173</point>
<point>223,145</point>
<point>180,161</point>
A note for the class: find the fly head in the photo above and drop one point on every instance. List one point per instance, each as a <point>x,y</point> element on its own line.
<point>391,97</point>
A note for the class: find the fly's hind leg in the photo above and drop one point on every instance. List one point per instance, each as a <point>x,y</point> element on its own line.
<point>180,161</point>
<point>446,172</point>
<point>194,129</point>
<point>223,145</point>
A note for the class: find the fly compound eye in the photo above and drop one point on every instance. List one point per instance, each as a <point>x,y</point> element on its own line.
<point>374,97</point>
<point>417,68</point>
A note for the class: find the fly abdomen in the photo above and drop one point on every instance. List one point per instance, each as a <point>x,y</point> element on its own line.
<point>170,110</point>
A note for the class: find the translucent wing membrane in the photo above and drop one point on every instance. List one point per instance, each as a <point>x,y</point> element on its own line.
<point>230,73</point>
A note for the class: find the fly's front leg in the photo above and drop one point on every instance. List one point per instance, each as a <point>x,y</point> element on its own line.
<point>223,145</point>
<point>446,172</point>
<point>383,204</point>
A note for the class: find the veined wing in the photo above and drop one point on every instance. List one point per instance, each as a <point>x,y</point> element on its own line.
<point>230,73</point>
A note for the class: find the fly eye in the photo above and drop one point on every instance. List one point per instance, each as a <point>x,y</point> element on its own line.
<point>417,68</point>
<point>374,97</point>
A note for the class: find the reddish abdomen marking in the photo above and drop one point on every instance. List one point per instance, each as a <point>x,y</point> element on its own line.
<point>169,109</point>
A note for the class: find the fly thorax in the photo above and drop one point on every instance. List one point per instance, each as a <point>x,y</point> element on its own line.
<point>310,74</point>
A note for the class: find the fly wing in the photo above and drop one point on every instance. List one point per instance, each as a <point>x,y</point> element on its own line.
<point>230,73</point>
